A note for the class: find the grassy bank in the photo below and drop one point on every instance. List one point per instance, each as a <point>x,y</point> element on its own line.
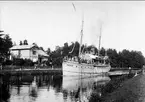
<point>111,87</point>
<point>132,90</point>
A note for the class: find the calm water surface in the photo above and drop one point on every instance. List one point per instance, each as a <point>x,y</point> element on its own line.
<point>54,88</point>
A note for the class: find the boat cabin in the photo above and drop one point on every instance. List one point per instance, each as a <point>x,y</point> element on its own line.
<point>94,59</point>
<point>89,59</point>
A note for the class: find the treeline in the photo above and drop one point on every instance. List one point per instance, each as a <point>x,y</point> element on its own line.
<point>19,62</point>
<point>122,59</point>
<point>5,44</point>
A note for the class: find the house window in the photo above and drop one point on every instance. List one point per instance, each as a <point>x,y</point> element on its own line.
<point>34,52</point>
<point>19,53</point>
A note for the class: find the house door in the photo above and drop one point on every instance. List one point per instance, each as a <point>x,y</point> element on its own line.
<point>39,59</point>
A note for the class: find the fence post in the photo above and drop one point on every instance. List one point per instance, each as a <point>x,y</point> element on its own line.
<point>143,69</point>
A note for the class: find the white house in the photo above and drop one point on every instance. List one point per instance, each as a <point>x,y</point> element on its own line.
<point>32,52</point>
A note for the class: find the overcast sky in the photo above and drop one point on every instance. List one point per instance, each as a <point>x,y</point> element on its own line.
<point>52,23</point>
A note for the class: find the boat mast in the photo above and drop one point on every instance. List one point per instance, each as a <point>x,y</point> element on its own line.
<point>74,43</point>
<point>100,40</point>
<point>81,37</point>
<point>1,20</point>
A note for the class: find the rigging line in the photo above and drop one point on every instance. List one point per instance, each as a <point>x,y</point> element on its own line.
<point>74,6</point>
<point>74,43</point>
<point>100,39</point>
<point>73,48</point>
<point>83,48</point>
<point>80,52</point>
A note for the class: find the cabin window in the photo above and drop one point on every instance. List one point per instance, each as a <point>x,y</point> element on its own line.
<point>34,52</point>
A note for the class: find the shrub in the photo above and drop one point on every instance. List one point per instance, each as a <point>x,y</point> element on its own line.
<point>28,62</point>
<point>18,61</point>
<point>22,62</point>
<point>8,62</point>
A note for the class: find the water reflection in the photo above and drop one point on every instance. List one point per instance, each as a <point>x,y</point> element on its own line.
<point>4,91</point>
<point>81,88</point>
<point>44,88</point>
<point>33,89</point>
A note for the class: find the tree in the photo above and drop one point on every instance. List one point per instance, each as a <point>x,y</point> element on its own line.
<point>76,49</point>
<point>137,59</point>
<point>112,53</point>
<point>48,51</point>
<point>65,49</point>
<point>5,44</point>
<point>56,57</point>
<point>41,48</point>
<point>25,42</point>
<point>21,43</point>
<point>91,48</point>
<point>133,59</point>
<point>102,51</point>
<point>124,58</point>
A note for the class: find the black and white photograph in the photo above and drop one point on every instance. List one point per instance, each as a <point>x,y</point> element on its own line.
<point>72,51</point>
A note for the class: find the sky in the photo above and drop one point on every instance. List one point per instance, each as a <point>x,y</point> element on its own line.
<point>52,23</point>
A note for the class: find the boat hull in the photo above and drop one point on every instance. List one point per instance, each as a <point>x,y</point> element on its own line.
<point>73,83</point>
<point>74,68</point>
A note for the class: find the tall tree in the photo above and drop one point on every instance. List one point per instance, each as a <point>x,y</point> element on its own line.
<point>102,51</point>
<point>76,49</point>
<point>5,44</point>
<point>65,49</point>
<point>25,42</point>
<point>112,53</point>
<point>48,51</point>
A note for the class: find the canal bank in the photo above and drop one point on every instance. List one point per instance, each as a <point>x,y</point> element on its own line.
<point>132,90</point>
<point>58,71</point>
<point>32,71</point>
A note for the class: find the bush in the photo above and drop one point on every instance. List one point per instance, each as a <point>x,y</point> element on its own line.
<point>22,62</point>
<point>18,61</point>
<point>7,62</point>
<point>28,62</point>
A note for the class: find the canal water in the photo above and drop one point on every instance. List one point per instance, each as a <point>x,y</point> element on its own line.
<point>56,88</point>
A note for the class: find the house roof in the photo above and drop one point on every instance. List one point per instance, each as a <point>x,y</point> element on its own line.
<point>19,47</point>
<point>42,53</point>
<point>22,47</point>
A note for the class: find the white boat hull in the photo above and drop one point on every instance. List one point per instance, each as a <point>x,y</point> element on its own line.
<point>73,83</point>
<point>71,86</point>
<point>74,68</point>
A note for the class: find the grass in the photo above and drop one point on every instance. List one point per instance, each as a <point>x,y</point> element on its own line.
<point>110,87</point>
